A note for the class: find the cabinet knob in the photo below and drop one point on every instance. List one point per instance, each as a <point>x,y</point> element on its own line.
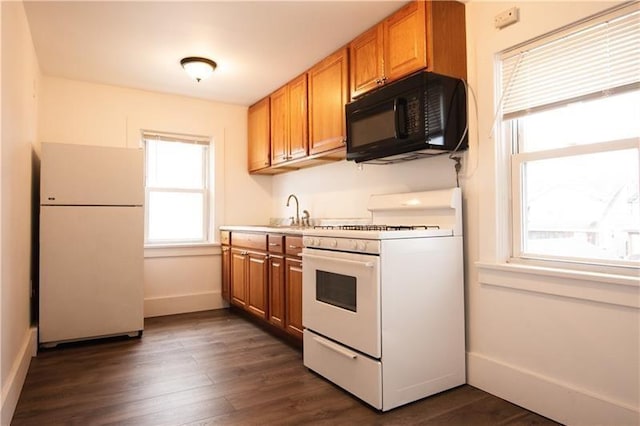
<point>384,79</point>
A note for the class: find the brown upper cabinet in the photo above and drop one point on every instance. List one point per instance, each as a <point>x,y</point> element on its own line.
<point>328,93</point>
<point>259,135</point>
<point>367,66</point>
<point>446,38</point>
<point>420,35</point>
<point>303,123</point>
<point>289,135</point>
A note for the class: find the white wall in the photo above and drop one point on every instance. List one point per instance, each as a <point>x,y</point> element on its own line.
<point>566,347</point>
<point>20,81</point>
<point>176,280</point>
<point>342,189</point>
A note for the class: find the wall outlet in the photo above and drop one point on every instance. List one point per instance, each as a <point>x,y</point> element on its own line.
<point>508,17</point>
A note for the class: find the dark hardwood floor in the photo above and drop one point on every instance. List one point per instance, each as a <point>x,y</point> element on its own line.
<point>212,368</point>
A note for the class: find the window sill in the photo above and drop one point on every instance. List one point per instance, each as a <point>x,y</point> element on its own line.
<point>596,287</point>
<point>181,250</point>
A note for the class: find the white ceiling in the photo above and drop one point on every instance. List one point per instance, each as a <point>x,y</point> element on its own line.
<point>258,45</point>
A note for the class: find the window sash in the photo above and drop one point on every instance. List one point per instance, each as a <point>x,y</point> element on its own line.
<point>517,164</point>
<point>205,216</point>
<point>203,179</point>
<point>204,190</point>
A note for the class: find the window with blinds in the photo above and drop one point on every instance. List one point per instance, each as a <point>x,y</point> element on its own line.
<point>177,189</point>
<point>571,114</point>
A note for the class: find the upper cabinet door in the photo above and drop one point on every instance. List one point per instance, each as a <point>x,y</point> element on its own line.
<point>259,135</point>
<point>366,61</point>
<point>298,118</point>
<point>405,49</point>
<point>392,49</point>
<point>328,93</point>
<point>279,125</point>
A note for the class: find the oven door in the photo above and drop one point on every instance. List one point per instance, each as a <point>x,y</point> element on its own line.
<point>341,298</point>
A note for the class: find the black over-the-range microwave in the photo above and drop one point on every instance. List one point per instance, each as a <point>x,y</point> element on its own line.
<point>421,115</point>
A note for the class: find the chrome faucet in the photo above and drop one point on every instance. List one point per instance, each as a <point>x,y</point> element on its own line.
<point>297,220</point>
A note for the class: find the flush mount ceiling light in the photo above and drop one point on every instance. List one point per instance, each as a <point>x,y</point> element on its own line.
<point>198,68</point>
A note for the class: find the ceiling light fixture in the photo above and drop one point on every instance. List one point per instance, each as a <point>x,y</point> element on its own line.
<point>198,68</point>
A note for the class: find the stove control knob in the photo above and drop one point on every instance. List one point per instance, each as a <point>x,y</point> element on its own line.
<point>307,241</point>
<point>317,242</point>
<point>353,244</point>
<point>362,245</point>
<point>333,243</point>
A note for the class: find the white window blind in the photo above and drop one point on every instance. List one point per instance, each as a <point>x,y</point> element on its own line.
<point>170,137</point>
<point>598,59</point>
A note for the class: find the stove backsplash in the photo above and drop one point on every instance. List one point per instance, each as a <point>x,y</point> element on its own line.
<point>342,189</point>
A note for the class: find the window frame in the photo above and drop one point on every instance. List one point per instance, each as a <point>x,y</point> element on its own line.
<point>512,163</point>
<point>206,142</point>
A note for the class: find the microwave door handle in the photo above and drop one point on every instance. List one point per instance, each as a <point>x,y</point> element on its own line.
<point>400,117</point>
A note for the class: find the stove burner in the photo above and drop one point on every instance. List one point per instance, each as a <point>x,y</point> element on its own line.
<point>378,227</point>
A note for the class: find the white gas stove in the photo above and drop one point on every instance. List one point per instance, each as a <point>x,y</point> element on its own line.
<point>383,303</point>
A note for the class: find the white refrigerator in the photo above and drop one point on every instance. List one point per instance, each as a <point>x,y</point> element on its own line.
<point>91,242</point>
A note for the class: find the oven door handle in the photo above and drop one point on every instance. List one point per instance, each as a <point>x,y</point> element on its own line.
<point>337,259</point>
<point>338,349</point>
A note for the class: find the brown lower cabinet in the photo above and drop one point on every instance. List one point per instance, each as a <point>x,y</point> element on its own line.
<point>226,272</point>
<point>257,283</point>
<point>293,317</point>
<point>249,281</point>
<point>263,274</point>
<point>277,302</point>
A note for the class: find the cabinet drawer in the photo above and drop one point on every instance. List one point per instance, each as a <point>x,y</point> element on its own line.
<point>352,371</point>
<point>276,243</point>
<point>225,237</point>
<point>293,245</point>
<point>254,241</point>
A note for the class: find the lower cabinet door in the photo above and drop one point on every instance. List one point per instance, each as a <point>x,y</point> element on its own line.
<point>293,284</point>
<point>257,284</point>
<point>276,291</point>
<point>238,277</point>
<point>226,273</point>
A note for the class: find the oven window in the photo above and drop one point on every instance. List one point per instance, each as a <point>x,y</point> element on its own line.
<point>337,290</point>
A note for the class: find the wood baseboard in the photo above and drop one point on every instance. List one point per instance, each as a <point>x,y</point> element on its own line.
<point>183,303</point>
<point>12,387</point>
<point>547,396</point>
